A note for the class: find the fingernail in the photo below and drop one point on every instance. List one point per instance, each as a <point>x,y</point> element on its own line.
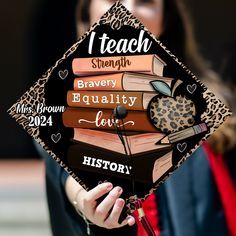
<point>109,186</point>
<point>118,189</point>
<point>130,220</point>
<point>120,202</point>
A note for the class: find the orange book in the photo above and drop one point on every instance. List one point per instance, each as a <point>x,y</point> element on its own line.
<point>138,143</point>
<point>148,64</point>
<point>109,99</point>
<point>120,81</point>
<point>102,119</point>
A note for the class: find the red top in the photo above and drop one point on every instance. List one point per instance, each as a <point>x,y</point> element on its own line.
<point>150,210</point>
<point>225,186</point>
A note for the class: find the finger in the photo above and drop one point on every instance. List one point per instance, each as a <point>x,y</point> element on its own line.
<point>105,206</point>
<point>112,220</point>
<point>97,192</point>
<point>130,220</point>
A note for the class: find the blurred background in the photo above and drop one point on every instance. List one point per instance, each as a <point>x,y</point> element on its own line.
<point>22,194</point>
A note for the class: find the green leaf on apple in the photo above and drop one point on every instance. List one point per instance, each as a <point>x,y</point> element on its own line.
<point>161,87</point>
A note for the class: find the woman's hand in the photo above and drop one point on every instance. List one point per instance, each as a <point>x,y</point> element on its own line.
<point>105,213</point>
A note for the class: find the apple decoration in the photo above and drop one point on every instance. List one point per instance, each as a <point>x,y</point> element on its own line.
<point>170,113</point>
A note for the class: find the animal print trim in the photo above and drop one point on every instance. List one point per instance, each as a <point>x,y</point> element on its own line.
<point>119,16</point>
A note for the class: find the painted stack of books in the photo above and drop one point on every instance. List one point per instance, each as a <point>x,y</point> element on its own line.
<point>103,83</point>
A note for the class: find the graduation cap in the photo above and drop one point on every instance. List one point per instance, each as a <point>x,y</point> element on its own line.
<point>119,107</point>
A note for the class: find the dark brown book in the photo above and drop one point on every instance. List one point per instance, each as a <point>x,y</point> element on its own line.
<point>145,168</point>
<point>102,119</point>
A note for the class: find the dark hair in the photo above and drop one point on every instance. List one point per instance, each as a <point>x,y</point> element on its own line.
<point>179,38</point>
